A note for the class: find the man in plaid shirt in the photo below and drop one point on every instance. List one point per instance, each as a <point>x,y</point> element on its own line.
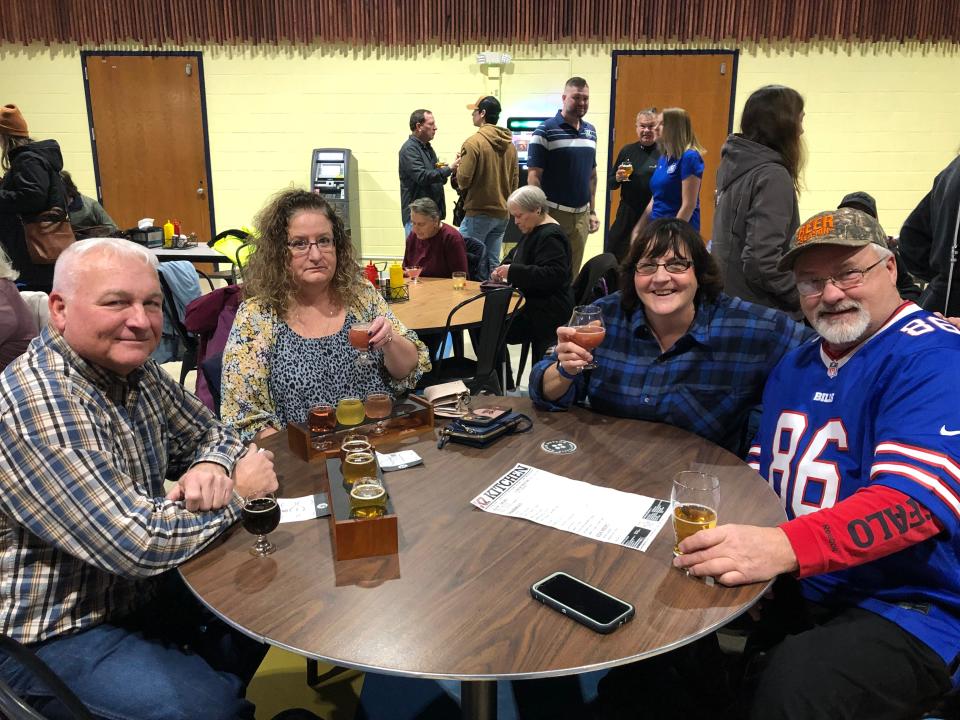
<point>90,428</point>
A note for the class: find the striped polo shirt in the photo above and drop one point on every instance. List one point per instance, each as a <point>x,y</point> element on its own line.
<point>567,156</point>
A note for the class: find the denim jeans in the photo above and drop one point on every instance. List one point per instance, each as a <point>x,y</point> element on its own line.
<point>488,230</point>
<point>171,660</point>
<point>407,229</point>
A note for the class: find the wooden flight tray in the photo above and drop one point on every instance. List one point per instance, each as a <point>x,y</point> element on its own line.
<point>410,416</point>
<point>358,538</point>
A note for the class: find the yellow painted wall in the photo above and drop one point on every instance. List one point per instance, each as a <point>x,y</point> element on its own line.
<point>879,118</point>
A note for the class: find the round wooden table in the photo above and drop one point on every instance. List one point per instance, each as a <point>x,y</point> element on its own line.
<point>455,601</point>
<point>432,299</point>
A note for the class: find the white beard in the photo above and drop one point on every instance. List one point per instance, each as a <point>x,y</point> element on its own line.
<point>842,332</point>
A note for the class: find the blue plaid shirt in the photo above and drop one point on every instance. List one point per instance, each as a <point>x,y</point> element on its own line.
<point>706,383</point>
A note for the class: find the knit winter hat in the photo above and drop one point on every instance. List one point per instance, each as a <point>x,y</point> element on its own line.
<point>12,122</point>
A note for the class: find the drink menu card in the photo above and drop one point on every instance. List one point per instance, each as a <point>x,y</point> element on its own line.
<point>592,511</point>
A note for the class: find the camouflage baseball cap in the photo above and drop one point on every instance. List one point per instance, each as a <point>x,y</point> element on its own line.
<point>844,227</point>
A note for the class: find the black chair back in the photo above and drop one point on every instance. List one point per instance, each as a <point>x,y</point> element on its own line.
<point>476,259</point>
<point>597,277</point>
<point>491,342</point>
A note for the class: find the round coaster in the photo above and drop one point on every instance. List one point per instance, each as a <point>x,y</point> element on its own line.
<point>559,447</point>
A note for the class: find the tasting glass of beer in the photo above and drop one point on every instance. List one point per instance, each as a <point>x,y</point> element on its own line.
<point>694,502</point>
<point>459,280</point>
<point>322,420</point>
<point>357,465</point>
<point>368,498</point>
<point>627,167</point>
<point>413,272</point>
<point>378,406</point>
<point>260,517</point>
<point>587,323</point>
<point>360,339</point>
<point>350,411</point>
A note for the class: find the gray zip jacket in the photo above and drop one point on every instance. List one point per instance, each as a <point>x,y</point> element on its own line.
<point>755,218</point>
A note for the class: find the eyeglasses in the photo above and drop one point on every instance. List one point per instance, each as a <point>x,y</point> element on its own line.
<point>302,247</point>
<point>846,280</point>
<point>674,267</point>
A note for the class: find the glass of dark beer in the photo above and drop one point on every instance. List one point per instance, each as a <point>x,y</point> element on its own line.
<point>260,517</point>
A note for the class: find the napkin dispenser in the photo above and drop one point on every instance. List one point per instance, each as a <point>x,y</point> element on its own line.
<point>151,237</point>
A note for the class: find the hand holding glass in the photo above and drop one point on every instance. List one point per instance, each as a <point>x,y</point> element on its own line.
<point>360,340</point>
<point>260,517</point>
<point>693,501</point>
<point>627,167</point>
<point>587,324</point>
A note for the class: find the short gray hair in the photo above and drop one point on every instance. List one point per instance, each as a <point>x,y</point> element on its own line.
<point>529,198</point>
<point>7,271</point>
<point>67,267</point>
<point>425,206</point>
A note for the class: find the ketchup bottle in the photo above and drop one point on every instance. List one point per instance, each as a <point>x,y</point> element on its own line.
<point>372,275</point>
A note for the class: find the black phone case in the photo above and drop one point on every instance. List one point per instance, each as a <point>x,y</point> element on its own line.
<point>602,628</point>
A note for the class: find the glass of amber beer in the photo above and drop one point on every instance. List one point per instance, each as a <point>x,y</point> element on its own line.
<point>694,502</point>
<point>627,167</point>
<point>587,323</point>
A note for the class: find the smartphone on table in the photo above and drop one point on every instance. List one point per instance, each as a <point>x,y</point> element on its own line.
<point>588,605</point>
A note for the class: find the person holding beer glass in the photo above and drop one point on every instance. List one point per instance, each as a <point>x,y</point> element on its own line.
<point>433,246</point>
<point>676,350</point>
<point>289,348</point>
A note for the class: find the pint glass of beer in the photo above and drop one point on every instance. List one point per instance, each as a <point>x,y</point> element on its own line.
<point>694,502</point>
<point>358,465</point>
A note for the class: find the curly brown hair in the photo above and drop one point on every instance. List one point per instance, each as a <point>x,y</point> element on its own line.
<point>268,276</point>
<point>654,241</point>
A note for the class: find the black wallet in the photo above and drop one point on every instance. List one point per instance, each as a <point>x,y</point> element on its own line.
<point>480,437</point>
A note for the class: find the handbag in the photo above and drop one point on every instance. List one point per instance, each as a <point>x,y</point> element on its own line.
<point>47,234</point>
<point>480,437</point>
<point>449,399</point>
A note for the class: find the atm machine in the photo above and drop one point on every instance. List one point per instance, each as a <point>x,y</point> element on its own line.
<point>521,128</point>
<point>333,174</point>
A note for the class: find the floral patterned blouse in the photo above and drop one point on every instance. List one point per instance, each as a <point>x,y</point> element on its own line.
<point>247,402</point>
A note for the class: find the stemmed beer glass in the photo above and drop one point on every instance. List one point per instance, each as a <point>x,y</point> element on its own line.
<point>627,167</point>
<point>587,323</point>
<point>360,340</point>
<point>260,517</point>
<point>378,406</point>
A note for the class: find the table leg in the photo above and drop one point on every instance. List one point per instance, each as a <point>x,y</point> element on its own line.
<point>478,700</point>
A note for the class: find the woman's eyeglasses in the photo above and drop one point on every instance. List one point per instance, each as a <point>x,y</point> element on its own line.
<point>302,247</point>
<point>674,267</point>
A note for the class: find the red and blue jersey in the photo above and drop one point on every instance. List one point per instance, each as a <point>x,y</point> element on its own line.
<point>885,416</point>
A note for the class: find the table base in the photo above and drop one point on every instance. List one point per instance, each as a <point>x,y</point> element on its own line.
<point>478,700</point>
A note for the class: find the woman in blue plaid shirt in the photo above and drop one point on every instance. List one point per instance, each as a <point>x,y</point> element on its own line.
<point>677,350</point>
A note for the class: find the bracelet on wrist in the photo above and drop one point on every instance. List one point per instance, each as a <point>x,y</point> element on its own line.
<point>564,373</point>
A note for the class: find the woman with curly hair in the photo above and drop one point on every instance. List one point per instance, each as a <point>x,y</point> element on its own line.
<point>289,348</point>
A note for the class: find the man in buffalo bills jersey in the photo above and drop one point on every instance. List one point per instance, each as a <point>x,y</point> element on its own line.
<point>860,438</point>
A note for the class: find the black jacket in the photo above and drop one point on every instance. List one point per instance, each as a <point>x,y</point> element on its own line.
<point>540,269</point>
<point>30,186</point>
<point>420,177</point>
<point>927,237</point>
<point>756,216</point>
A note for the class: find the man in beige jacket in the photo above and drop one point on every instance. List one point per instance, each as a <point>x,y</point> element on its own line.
<point>488,173</point>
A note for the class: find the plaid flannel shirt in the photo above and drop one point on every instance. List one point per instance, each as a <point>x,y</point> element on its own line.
<point>83,518</point>
<point>707,383</point>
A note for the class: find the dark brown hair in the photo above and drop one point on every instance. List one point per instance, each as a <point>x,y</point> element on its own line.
<point>9,143</point>
<point>268,275</point>
<point>771,117</point>
<point>655,240</point>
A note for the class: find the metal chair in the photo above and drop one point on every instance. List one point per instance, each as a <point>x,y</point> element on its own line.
<point>484,372</point>
<point>14,708</point>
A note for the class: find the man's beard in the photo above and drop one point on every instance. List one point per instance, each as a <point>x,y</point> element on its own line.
<point>841,331</point>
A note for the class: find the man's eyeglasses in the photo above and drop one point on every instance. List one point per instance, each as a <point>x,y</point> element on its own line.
<point>674,267</point>
<point>302,247</point>
<point>846,280</point>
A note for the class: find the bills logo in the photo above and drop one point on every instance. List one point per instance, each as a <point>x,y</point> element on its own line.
<point>671,169</point>
<point>823,397</point>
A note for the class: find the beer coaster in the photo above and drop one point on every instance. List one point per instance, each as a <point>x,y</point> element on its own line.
<point>559,447</point>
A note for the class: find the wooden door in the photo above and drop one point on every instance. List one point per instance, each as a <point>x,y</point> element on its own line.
<point>701,83</point>
<point>150,143</point>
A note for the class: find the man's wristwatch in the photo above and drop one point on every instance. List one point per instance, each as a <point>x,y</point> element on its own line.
<point>564,373</point>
